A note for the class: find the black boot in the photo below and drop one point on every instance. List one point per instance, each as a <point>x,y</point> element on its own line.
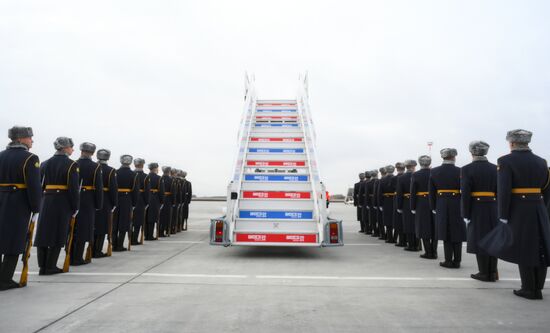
<point>483,268</point>
<point>457,254</point>
<point>78,253</point>
<point>528,283</point>
<point>99,241</point>
<point>41,256</point>
<point>427,249</point>
<point>448,251</point>
<point>9,262</point>
<point>51,261</point>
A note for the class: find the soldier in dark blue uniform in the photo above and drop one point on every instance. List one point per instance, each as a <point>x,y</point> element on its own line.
<point>166,211</point>
<point>386,196</point>
<point>177,194</point>
<point>403,203</point>
<point>356,202</point>
<point>187,197</point>
<point>155,201</point>
<point>128,191</point>
<point>369,202</point>
<point>523,237</point>
<point>478,189</point>
<point>60,203</point>
<point>104,216</point>
<point>377,204</point>
<point>91,199</point>
<point>20,194</point>
<point>420,207</point>
<point>362,198</point>
<point>398,214</point>
<point>444,193</point>
<point>142,204</point>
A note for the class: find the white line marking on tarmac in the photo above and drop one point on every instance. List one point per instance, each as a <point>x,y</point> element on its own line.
<point>282,277</point>
<point>361,244</point>
<point>223,276</point>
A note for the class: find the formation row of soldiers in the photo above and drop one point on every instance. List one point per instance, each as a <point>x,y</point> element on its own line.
<point>81,202</point>
<point>500,210</point>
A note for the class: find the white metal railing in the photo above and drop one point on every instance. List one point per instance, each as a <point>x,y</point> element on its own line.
<point>310,148</point>
<point>240,162</point>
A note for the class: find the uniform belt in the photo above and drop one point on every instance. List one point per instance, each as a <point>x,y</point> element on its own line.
<point>526,190</point>
<point>57,187</point>
<point>483,194</point>
<point>407,195</point>
<point>15,186</point>
<point>88,188</point>
<point>125,190</point>
<point>453,192</point>
<point>142,191</point>
<point>167,193</point>
<point>422,193</point>
<point>154,190</point>
<point>389,194</point>
<point>106,189</point>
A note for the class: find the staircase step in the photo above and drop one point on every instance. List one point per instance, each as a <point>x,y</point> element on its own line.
<point>276,186</point>
<point>276,178</point>
<point>264,150</point>
<point>262,163</point>
<point>280,195</point>
<point>278,205</point>
<point>275,215</point>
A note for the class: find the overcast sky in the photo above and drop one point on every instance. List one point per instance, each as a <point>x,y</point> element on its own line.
<point>163,80</point>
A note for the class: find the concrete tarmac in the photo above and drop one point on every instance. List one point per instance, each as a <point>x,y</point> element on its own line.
<point>181,284</point>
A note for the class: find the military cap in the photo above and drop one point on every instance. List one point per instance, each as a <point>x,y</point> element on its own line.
<point>139,161</point>
<point>19,132</point>
<point>63,142</point>
<point>479,148</point>
<point>103,154</point>
<point>390,168</point>
<point>184,173</point>
<point>368,174</point>
<point>425,161</point>
<point>410,163</point>
<point>87,147</point>
<point>399,165</point>
<point>374,172</point>
<point>166,169</point>
<point>362,175</point>
<point>126,159</point>
<point>519,136</point>
<point>153,165</point>
<point>448,152</point>
<point>382,169</point>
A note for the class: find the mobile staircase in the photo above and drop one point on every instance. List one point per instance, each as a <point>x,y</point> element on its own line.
<point>276,197</point>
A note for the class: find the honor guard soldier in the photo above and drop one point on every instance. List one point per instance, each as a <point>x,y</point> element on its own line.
<point>166,211</point>
<point>91,199</point>
<point>356,202</point>
<point>386,196</point>
<point>363,201</point>
<point>60,205</point>
<point>403,202</point>
<point>523,237</point>
<point>20,194</point>
<point>420,206</point>
<point>370,202</point>
<point>478,187</point>
<point>377,207</point>
<point>128,191</point>
<point>444,193</point>
<point>142,203</point>
<point>187,197</point>
<point>398,214</point>
<point>104,216</point>
<point>177,194</point>
<point>155,202</point>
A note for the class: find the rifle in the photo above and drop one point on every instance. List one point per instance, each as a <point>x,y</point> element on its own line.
<point>158,222</point>
<point>143,225</point>
<point>69,246</point>
<point>110,232</point>
<point>88,258</point>
<point>130,230</point>
<point>27,254</point>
